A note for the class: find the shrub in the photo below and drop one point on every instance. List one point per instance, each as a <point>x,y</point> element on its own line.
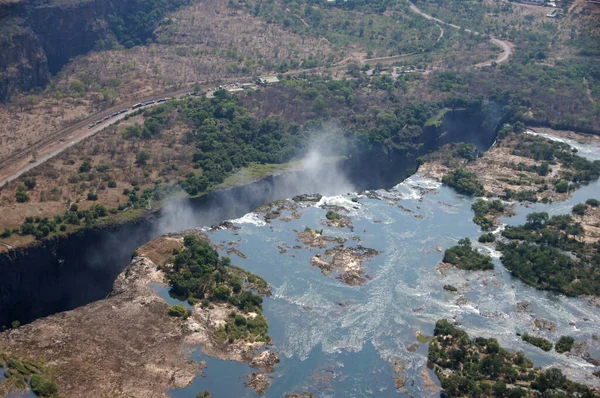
<point>463,256</point>
<point>221,292</point>
<point>21,195</point>
<point>562,186</point>
<point>177,311</point>
<point>579,209</point>
<point>42,386</point>
<point>540,342</point>
<point>463,182</point>
<point>592,202</point>
<point>85,166</point>
<point>450,288</point>
<point>112,184</point>
<point>332,215</point>
<point>487,238</point>
<point>564,344</point>
<point>63,228</point>
<point>142,158</point>
<point>92,196</point>
<point>30,182</point>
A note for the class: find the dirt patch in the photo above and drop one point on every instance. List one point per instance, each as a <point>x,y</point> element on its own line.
<point>590,222</point>
<point>160,250</point>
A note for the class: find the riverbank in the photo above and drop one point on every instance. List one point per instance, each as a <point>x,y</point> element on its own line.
<point>128,344</point>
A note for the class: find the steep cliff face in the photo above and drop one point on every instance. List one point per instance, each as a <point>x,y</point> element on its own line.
<point>23,63</point>
<point>65,32</point>
<point>38,37</point>
<point>68,272</point>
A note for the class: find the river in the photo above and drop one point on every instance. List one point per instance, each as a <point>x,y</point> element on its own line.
<point>337,340</point>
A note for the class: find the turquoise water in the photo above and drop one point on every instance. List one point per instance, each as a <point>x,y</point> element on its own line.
<point>164,292</point>
<point>225,378</point>
<point>336,340</point>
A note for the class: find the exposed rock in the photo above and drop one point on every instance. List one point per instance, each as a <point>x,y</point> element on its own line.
<point>543,324</point>
<point>266,360</point>
<point>347,261</point>
<point>523,306</point>
<point>315,197</point>
<point>125,345</point>
<point>399,375</point>
<point>233,250</point>
<point>314,238</point>
<point>259,382</point>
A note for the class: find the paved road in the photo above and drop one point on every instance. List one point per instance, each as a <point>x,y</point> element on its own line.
<point>506,46</point>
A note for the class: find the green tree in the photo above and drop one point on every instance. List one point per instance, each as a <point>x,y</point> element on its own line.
<point>21,196</point>
<point>142,158</point>
<point>177,310</point>
<point>319,104</point>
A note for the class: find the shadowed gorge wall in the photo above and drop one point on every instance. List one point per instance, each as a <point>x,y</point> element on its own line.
<point>38,37</point>
<point>63,273</point>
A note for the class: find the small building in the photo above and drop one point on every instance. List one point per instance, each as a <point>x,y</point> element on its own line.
<point>533,2</point>
<point>268,80</point>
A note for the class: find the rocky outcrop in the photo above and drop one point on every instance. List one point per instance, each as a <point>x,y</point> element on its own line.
<point>128,345</point>
<point>125,345</point>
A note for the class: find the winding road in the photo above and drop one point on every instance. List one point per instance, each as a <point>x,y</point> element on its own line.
<point>15,165</point>
<point>505,45</point>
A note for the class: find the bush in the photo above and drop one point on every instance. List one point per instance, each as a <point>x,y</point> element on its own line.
<point>564,344</point>
<point>592,202</point>
<point>30,182</point>
<point>562,186</point>
<point>63,228</point>
<point>579,209</point>
<point>85,166</point>
<point>92,196</point>
<point>21,195</point>
<point>112,184</point>
<point>43,387</point>
<point>177,311</point>
<point>463,256</point>
<point>450,288</point>
<point>142,158</point>
<point>332,215</point>
<point>463,182</point>
<point>540,342</point>
<point>221,292</point>
<point>487,238</point>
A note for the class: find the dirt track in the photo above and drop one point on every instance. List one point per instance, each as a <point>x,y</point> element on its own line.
<point>507,47</point>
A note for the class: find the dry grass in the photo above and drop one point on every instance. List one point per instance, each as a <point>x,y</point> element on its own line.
<point>54,193</point>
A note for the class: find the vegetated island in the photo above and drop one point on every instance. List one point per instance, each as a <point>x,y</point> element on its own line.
<point>538,254</point>
<point>481,367</point>
<point>80,352</point>
<point>464,256</point>
<point>520,167</point>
